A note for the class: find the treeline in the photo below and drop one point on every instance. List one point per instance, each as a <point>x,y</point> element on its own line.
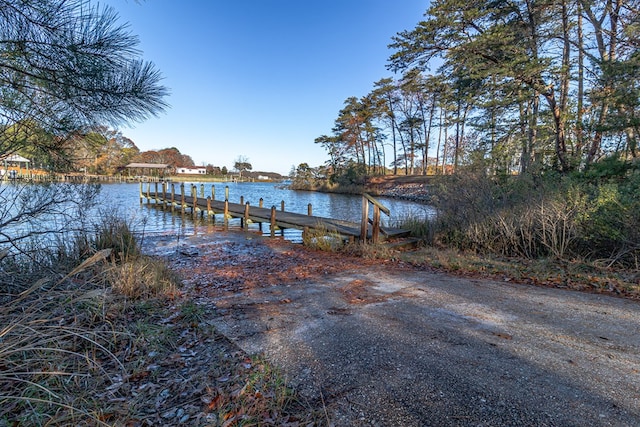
<point>517,86</point>
<point>529,111</point>
<point>100,150</point>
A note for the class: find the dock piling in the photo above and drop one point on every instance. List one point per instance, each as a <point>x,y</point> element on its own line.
<point>272,221</point>
<point>173,196</point>
<point>182,202</point>
<point>194,194</point>
<point>246,216</point>
<point>364,223</point>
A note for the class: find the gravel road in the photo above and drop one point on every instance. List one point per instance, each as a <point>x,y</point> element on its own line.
<point>391,345</point>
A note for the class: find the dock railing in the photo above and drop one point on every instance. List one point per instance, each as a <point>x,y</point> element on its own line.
<point>375,222</point>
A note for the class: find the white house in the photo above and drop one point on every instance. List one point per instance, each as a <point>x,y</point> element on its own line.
<point>196,170</point>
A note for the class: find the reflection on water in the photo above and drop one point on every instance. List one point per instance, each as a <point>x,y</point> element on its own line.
<point>148,218</point>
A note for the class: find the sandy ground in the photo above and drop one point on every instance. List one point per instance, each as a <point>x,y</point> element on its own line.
<point>385,344</point>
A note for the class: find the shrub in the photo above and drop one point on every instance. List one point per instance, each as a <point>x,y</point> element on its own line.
<point>142,277</point>
<point>539,216</point>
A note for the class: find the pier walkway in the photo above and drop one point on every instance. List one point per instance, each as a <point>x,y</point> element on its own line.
<point>369,229</point>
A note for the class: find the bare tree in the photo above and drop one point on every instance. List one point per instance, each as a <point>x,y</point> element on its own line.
<point>242,164</point>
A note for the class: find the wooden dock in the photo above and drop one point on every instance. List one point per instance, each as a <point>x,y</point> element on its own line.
<point>368,229</point>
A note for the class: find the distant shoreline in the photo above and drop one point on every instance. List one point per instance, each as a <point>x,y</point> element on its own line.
<point>413,188</point>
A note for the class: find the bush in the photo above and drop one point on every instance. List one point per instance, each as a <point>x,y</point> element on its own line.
<point>546,215</point>
<point>609,224</point>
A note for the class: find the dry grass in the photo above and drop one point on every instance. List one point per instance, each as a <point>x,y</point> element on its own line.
<point>574,274</point>
<point>115,342</point>
<point>64,340</point>
<point>369,251</point>
<point>322,239</point>
<point>143,277</point>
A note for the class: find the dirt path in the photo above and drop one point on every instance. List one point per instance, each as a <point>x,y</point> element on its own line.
<point>383,344</point>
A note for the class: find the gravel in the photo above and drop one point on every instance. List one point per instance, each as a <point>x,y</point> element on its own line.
<point>392,345</point>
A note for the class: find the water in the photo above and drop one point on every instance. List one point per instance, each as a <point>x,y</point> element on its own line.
<point>151,219</point>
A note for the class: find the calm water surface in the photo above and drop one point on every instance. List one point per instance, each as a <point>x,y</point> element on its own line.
<point>150,219</point>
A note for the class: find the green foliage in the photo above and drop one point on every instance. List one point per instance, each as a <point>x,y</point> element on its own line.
<point>353,174</point>
<point>489,80</point>
<point>304,177</point>
<point>192,312</point>
<point>611,168</point>
<point>546,215</point>
<point>68,66</point>
<point>609,222</point>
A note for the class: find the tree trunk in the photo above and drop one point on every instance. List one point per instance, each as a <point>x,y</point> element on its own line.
<point>559,124</point>
<point>580,94</point>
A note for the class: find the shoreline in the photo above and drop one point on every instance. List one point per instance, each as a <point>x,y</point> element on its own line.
<point>413,188</point>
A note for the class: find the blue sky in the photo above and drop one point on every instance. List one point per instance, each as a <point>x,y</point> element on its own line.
<point>260,78</point>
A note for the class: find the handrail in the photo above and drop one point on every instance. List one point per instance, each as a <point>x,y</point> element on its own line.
<point>376,203</point>
<point>364,224</point>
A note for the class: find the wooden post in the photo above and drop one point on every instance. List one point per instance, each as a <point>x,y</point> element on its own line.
<point>213,192</point>
<point>309,210</point>
<point>173,196</point>
<point>226,210</point>
<point>202,190</point>
<point>141,193</point>
<point>282,206</point>
<point>364,223</point>
<point>261,202</point>
<point>194,194</point>
<point>272,222</point>
<point>209,212</point>
<point>375,231</point>
<point>242,200</point>
<point>164,195</point>
<point>156,191</point>
<point>182,203</point>
<point>148,192</point>
<point>246,216</point>
<point>226,192</point>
